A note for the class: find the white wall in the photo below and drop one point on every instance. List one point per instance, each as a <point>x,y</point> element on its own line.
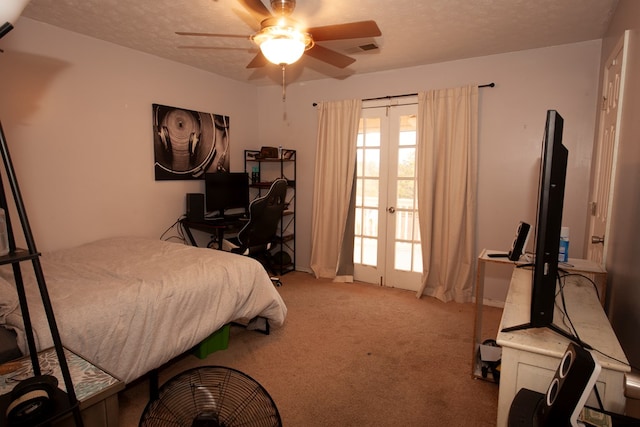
<point>76,112</point>
<point>512,119</point>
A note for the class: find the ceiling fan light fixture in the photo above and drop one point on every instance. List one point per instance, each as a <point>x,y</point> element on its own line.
<point>282,45</point>
<point>10,11</point>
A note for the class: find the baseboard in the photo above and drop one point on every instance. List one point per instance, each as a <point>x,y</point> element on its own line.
<point>491,302</point>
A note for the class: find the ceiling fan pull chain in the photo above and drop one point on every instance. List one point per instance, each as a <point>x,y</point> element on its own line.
<point>284,92</point>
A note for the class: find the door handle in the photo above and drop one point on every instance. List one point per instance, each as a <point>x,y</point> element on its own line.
<point>391,210</point>
<point>597,239</point>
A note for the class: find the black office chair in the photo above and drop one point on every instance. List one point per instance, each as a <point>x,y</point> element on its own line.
<point>256,237</point>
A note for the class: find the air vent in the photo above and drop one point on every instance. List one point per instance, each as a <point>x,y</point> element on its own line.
<point>368,47</point>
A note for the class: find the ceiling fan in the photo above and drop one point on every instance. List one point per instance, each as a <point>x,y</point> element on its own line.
<point>282,40</point>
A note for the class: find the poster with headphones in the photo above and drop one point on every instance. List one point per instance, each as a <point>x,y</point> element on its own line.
<point>187,143</point>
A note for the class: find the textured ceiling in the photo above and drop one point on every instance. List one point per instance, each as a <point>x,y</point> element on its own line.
<point>414,32</point>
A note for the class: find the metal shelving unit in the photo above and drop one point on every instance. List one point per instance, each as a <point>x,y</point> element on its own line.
<point>263,171</point>
<point>58,402</point>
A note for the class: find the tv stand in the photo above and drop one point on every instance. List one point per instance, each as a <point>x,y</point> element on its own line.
<point>487,258</point>
<point>554,328</point>
<point>530,357</point>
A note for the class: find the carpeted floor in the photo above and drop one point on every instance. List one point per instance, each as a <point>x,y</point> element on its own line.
<point>356,355</point>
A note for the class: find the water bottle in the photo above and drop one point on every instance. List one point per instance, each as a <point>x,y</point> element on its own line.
<point>563,254</point>
<point>4,239</point>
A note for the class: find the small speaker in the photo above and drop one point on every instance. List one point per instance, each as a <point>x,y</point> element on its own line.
<point>195,206</point>
<point>570,388</point>
<point>520,242</point>
<point>524,409</point>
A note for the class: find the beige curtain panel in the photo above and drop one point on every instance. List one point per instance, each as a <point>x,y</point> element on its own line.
<point>333,180</point>
<point>447,187</point>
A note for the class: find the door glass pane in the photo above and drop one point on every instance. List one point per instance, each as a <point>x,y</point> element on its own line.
<point>369,251</point>
<point>371,192</point>
<point>370,130</point>
<point>407,129</point>
<point>404,225</point>
<point>406,193</point>
<point>357,250</point>
<point>371,162</point>
<point>408,256</point>
<point>370,222</point>
<point>358,220</point>
<point>359,161</point>
<point>366,224</point>
<point>403,256</point>
<point>406,162</point>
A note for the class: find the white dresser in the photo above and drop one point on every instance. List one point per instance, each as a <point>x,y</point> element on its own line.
<point>530,357</point>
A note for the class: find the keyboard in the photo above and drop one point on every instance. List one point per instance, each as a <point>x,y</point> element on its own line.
<point>235,217</point>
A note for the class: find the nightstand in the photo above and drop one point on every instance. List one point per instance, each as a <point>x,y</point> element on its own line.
<point>96,390</point>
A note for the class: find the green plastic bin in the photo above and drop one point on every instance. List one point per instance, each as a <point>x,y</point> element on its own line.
<point>219,340</point>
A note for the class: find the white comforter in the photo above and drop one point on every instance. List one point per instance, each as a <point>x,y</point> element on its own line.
<point>130,305</point>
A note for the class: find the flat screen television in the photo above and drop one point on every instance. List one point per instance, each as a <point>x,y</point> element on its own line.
<point>551,187</point>
<point>553,171</point>
<point>226,193</point>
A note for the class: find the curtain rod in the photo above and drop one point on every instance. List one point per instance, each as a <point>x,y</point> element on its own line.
<point>407,94</point>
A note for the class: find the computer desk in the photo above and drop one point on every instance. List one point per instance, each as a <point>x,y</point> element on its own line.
<point>217,227</point>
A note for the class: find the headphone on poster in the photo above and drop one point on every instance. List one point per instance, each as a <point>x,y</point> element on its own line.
<point>221,124</point>
<point>32,400</point>
<point>194,137</point>
<point>179,133</point>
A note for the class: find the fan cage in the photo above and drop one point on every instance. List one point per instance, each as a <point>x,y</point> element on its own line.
<point>211,396</point>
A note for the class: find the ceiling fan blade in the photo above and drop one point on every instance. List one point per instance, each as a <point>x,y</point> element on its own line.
<point>248,19</point>
<point>187,33</point>
<point>351,30</point>
<point>256,8</point>
<point>217,48</point>
<point>330,56</point>
<point>258,61</point>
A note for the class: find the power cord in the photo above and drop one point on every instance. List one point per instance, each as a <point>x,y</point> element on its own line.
<point>565,315</point>
<point>177,225</point>
<point>573,331</point>
<point>566,273</point>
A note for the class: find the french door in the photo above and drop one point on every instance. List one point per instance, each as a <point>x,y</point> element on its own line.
<point>387,239</point>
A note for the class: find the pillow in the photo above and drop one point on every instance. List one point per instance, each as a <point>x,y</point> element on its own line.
<point>8,299</point>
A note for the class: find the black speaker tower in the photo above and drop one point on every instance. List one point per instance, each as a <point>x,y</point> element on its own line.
<point>567,394</point>
<point>195,206</point>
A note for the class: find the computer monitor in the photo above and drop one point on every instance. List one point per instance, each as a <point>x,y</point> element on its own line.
<point>226,192</point>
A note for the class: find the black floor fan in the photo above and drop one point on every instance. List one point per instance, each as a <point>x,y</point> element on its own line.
<point>211,396</point>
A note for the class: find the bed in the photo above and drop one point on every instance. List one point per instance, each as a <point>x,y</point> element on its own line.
<point>129,305</point>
